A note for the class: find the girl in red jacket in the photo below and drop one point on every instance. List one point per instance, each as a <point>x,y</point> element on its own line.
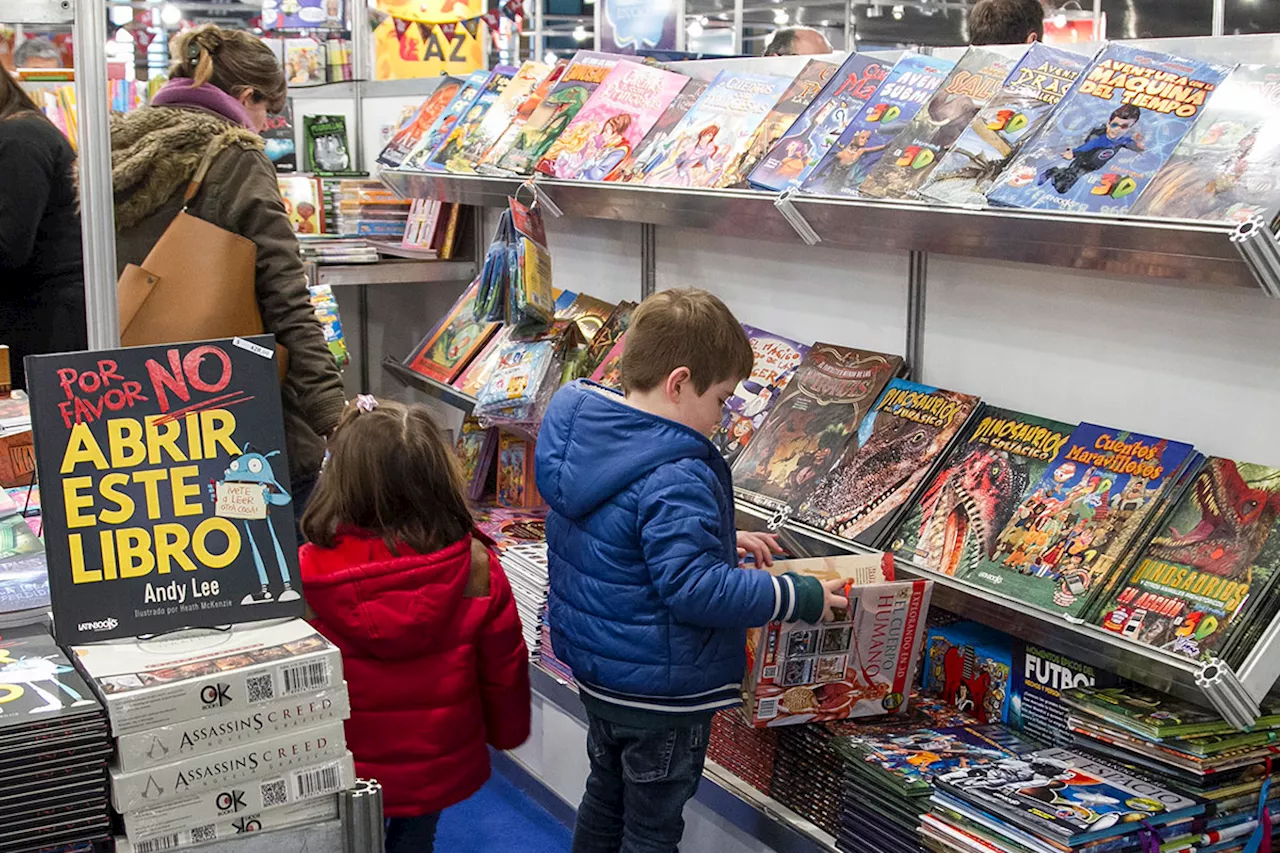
<point>399,580</point>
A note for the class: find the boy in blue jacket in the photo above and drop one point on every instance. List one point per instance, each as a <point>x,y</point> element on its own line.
<point>648,604</point>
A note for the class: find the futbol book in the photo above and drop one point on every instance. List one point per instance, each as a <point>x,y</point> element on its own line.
<point>420,157</point>
<point>894,105</point>
<point>497,117</point>
<point>914,153</point>
<point>412,132</point>
<point>1043,77</point>
<point>1111,134</point>
<point>807,141</point>
<point>806,86</point>
<point>445,351</point>
<point>776,359</point>
<point>653,149</point>
<point>488,164</point>
<point>456,141</point>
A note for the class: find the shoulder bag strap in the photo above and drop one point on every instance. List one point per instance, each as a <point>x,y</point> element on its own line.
<point>193,185</point>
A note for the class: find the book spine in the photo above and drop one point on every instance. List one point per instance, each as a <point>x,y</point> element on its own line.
<point>306,812</point>
<point>450,234</point>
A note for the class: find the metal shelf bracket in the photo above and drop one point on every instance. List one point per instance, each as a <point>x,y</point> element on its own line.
<point>41,12</point>
<point>541,198</point>
<point>795,218</point>
<point>1259,247</point>
<point>1224,689</point>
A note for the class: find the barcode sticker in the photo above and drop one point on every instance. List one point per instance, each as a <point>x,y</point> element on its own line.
<point>274,793</point>
<point>259,688</point>
<point>152,845</point>
<point>304,677</point>
<point>315,783</point>
<point>767,709</point>
<point>770,672</point>
<point>202,834</point>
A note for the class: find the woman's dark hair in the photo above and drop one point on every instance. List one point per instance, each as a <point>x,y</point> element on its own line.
<point>13,98</point>
<point>390,471</point>
<point>230,60</point>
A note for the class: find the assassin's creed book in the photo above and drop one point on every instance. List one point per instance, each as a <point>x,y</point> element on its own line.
<point>815,418</point>
<point>1043,77</point>
<point>488,164</point>
<point>908,87</point>
<point>303,814</point>
<point>455,143</point>
<point>776,359</point>
<point>420,157</point>
<point>912,156</point>
<point>497,118</point>
<point>653,149</point>
<point>806,86</point>
<point>413,131</point>
<point>1109,137</point>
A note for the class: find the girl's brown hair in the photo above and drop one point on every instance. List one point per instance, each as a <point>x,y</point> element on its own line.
<point>390,471</point>
<point>232,61</point>
<point>13,98</point>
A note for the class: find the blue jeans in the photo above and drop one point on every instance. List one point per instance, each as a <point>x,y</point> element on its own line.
<point>412,834</point>
<point>640,780</point>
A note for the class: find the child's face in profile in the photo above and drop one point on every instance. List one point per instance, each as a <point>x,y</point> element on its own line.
<point>702,412</point>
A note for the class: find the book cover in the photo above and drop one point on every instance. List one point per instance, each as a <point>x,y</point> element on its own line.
<point>24,581</point>
<point>653,149</point>
<point>447,349</point>
<point>303,814</point>
<point>776,359</point>
<point>898,442</point>
<point>1066,536</point>
<point>456,140</point>
<point>1040,680</point>
<point>806,86</point>
<point>914,153</point>
<point>609,335</point>
<point>475,448</point>
<point>327,146</point>
<point>809,138</point>
<point>578,82</point>
<point>1157,716</point>
<point>518,376</point>
<point>816,416</point>
<point>415,130</point>
<point>1201,575</point>
<point>278,138</point>
<point>304,62</point>
<point>969,667</point>
<point>954,522</point>
<point>488,164</point>
<point>717,130</point>
<point>303,203</point>
<point>1227,167</point>
<point>909,86</point>
<point>302,14</point>
<point>179,510</point>
<point>474,376</point>
<point>588,313</point>
<point>41,684</point>
<point>1043,77</point>
<point>516,486</point>
<point>497,118</point>
<point>911,760</point>
<point>609,371</point>
<point>1109,137</point>
<point>420,157</point>
<point>612,122</point>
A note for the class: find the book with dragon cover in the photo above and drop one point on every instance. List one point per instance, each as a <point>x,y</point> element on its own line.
<point>612,123</point>
<point>899,441</point>
<point>455,142</point>
<point>1043,77</point>
<point>445,351</point>
<point>1201,575</point>
<point>497,118</point>
<point>717,130</point>
<point>815,418</point>
<point>776,359</point>
<point>1077,522</point>
<point>420,157</point>
<point>1227,168</point>
<point>811,136</point>
<point>909,86</point>
<point>653,149</point>
<point>416,129</point>
<point>488,164</point>
<point>909,761</point>
<point>954,523</point>
<point>578,82</point>
<point>914,153</point>
<point>1109,137</point>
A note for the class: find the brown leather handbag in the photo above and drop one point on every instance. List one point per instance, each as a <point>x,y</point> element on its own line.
<point>197,283</point>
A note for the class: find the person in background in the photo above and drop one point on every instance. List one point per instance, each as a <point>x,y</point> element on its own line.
<point>399,580</point>
<point>1006,22</point>
<point>37,53</point>
<point>42,307</point>
<point>797,41</point>
<point>222,86</point>
<point>649,606</point>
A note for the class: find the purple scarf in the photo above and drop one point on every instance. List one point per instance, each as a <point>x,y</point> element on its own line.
<point>180,93</point>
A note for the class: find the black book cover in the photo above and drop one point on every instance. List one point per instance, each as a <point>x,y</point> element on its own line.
<point>281,146</point>
<point>37,681</point>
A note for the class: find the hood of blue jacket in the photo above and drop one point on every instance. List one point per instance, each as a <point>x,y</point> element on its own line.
<point>593,445</point>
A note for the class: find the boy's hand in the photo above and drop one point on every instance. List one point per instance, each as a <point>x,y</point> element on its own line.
<point>761,546</point>
<point>836,597</point>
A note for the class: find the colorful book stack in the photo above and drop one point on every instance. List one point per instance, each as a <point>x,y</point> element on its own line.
<point>526,568</point>
<point>368,209</point>
<point>24,576</point>
<point>744,750</point>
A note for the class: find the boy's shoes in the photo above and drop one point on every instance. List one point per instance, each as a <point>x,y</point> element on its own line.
<point>263,597</point>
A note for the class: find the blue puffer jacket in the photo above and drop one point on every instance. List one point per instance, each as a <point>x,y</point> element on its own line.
<point>647,605</point>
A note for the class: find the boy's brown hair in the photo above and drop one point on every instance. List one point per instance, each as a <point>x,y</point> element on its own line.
<point>684,328</point>
<point>390,471</point>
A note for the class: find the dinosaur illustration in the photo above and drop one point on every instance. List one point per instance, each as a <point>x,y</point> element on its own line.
<point>970,502</point>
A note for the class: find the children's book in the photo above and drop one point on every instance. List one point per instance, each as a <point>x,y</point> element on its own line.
<point>517,378</point>
<point>776,360</point>
<point>612,123</point>
<point>465,93</point>
<point>954,522</point>
<point>476,448</point>
<point>969,667</point>
<point>1227,168</point>
<point>1043,77</point>
<point>517,486</point>
<point>609,335</point>
<point>413,131</point>
<point>909,761</point>
<point>301,14</point>
<point>327,145</point>
<point>1110,136</point>
<point>281,148</point>
<point>304,62</point>
<point>1155,716</point>
<point>588,313</point>
<point>498,117</point>
<point>303,202</point>
<point>806,86</point>
<point>474,376</point>
<point>455,142</point>
<point>1066,537</point>
<point>488,164</point>
<point>816,416</point>
<point>908,87</point>
<point>1040,678</point>
<point>653,149</point>
<point>446,350</point>
<point>717,130</point>
<point>578,82</point>
<point>914,153</point>
<point>899,441</point>
<point>609,372</point>
<point>809,138</point>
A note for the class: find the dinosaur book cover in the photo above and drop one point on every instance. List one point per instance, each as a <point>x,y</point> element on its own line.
<point>915,152</point>
<point>776,360</point>
<point>40,681</point>
<point>909,761</point>
<point>455,142</point>
<point>1068,534</point>
<point>447,349</point>
<point>908,87</point>
<point>166,485</point>
<point>954,523</point>
<point>1200,577</point>
<point>810,136</point>
<point>1227,168</point>
<point>1043,77</point>
<point>498,117</point>
<point>420,157</point>
<point>816,416</point>
<point>653,149</point>
<point>898,443</point>
<point>1108,138</point>
<point>488,164</point>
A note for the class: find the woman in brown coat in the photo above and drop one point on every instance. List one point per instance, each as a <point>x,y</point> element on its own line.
<point>222,86</point>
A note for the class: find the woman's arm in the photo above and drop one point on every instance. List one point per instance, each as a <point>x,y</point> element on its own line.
<point>24,193</point>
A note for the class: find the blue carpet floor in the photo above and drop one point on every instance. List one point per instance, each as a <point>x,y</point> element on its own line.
<point>500,819</point>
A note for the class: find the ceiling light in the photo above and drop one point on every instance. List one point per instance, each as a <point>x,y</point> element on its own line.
<point>898,12</point>
<point>694,30</point>
<point>781,16</point>
<point>170,15</point>
<point>580,33</point>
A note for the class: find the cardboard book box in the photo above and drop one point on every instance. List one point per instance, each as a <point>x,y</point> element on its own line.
<point>861,664</point>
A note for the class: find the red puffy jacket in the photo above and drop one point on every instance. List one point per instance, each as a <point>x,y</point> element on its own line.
<point>434,659</point>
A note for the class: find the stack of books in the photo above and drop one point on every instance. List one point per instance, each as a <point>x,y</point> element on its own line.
<point>807,774</point>
<point>24,575</point>
<point>337,250</point>
<point>526,568</point>
<point>219,729</point>
<point>743,750</point>
<point>369,209</point>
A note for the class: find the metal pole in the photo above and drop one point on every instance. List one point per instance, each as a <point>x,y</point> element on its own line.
<point>1097,20</point>
<point>850,44</point>
<point>538,46</point>
<point>97,203</point>
<point>1219,17</point>
<point>917,276</point>
<point>362,69</point>
<point>648,259</point>
<point>739,46</point>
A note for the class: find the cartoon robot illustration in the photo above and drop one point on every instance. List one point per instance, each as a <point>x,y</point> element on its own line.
<point>255,468</point>
<point>16,675</point>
